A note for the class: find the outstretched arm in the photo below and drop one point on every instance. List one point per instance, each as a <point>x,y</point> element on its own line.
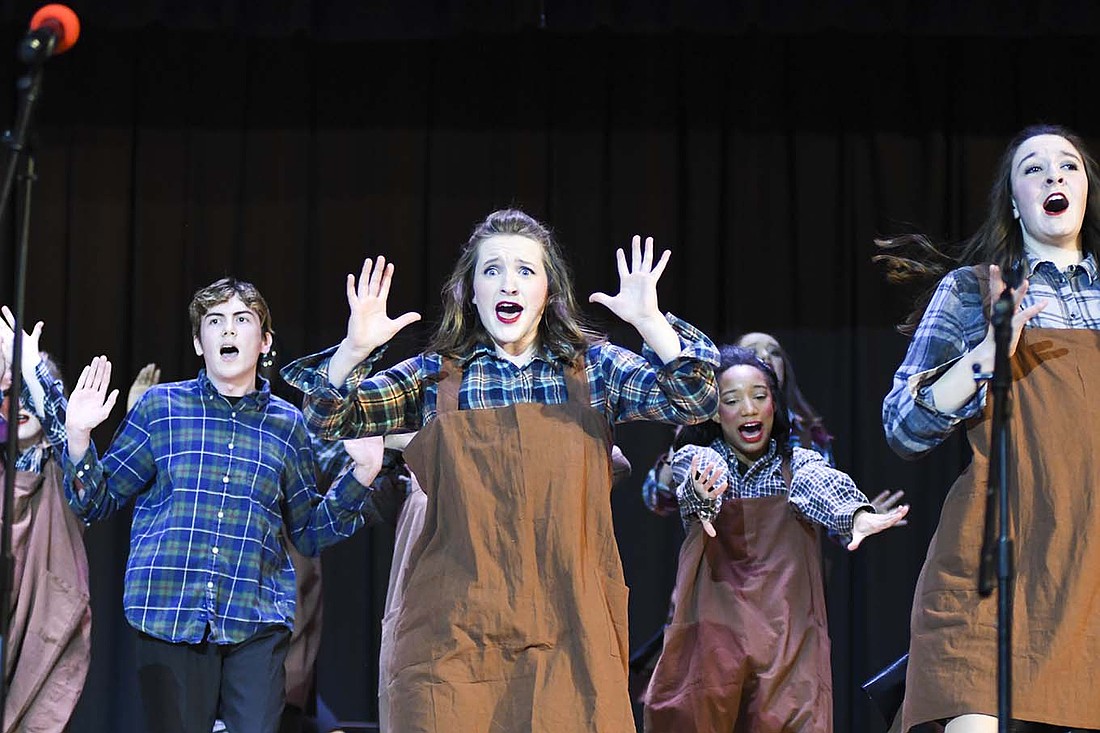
<point>636,301</point>
<point>368,325</point>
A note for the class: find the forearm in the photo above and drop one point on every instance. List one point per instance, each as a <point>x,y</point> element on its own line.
<point>344,361</point>
<point>957,386</point>
<point>660,336</point>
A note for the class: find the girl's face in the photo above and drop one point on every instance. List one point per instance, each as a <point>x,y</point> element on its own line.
<point>29,429</point>
<point>510,288</point>
<point>746,411</point>
<point>766,349</point>
<point>1049,191</point>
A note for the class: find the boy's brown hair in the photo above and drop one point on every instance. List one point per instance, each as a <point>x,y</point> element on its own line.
<point>221,291</point>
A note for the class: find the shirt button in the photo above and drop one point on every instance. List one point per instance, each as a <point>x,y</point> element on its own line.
<point>230,446</point>
<point>79,473</point>
<point>232,414</point>
<point>221,515</point>
<point>225,479</point>
<point>214,550</point>
<point>210,584</point>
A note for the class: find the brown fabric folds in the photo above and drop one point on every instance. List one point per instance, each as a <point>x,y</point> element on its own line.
<point>748,646</point>
<point>51,621</point>
<point>514,613</point>
<point>1053,477</point>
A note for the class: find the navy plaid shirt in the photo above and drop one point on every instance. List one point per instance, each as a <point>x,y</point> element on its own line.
<point>214,484</point>
<point>623,386</point>
<point>953,324</point>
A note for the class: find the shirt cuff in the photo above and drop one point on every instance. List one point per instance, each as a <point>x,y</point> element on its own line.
<point>691,504</point>
<point>310,373</point>
<point>920,389</point>
<point>695,347</point>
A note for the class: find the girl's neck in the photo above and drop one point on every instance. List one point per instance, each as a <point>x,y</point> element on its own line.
<point>1061,256</point>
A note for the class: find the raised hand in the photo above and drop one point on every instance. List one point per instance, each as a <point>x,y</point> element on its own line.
<point>1019,317</point>
<point>89,405</point>
<point>368,324</point>
<point>146,378</point>
<point>869,523</point>
<point>31,355</point>
<point>709,482</point>
<point>636,300</point>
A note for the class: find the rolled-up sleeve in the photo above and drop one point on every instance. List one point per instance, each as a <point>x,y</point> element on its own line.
<point>682,391</point>
<point>364,405</point>
<point>953,323</point>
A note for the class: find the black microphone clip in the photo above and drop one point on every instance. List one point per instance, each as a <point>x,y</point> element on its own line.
<point>39,44</point>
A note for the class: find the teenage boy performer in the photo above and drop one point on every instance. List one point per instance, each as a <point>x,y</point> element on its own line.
<point>217,467</point>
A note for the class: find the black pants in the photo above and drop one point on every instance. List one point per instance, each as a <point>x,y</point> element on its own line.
<point>184,687</point>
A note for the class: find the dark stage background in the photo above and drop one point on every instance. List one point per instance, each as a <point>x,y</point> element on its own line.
<point>766,144</point>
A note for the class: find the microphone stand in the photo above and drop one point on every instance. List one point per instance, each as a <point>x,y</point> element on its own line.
<point>997,551</point>
<point>29,87</point>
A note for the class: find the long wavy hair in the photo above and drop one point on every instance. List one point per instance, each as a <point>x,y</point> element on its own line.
<point>562,329</point>
<point>707,432</point>
<point>913,258</point>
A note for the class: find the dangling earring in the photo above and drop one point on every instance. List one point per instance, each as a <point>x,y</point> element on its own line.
<point>1015,211</point>
<point>267,359</point>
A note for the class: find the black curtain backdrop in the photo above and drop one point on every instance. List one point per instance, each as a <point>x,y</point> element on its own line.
<point>766,144</point>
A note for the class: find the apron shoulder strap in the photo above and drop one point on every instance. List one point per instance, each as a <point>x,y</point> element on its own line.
<point>576,383</point>
<point>450,381</point>
<point>981,272</point>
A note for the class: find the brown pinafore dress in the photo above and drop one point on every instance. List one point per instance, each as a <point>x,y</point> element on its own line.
<point>1054,485</point>
<point>514,612</point>
<point>748,647</point>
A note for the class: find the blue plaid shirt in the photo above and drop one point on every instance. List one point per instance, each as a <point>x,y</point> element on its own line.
<point>214,484</point>
<point>623,386</point>
<point>53,421</point>
<point>953,324</point>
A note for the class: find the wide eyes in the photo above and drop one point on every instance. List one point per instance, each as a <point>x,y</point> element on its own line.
<point>1069,165</point>
<point>494,270</point>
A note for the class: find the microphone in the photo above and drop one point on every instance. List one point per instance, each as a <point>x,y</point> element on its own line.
<point>54,29</point>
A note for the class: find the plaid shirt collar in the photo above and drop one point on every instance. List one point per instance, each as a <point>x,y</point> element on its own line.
<point>254,400</point>
<point>487,349</point>
<point>1088,265</point>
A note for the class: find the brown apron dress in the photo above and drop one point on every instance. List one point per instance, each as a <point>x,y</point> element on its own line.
<point>1054,480</point>
<point>748,647</point>
<point>51,618</point>
<point>514,613</point>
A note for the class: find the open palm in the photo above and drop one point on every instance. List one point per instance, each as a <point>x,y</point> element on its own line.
<point>90,403</point>
<point>368,324</point>
<point>636,300</point>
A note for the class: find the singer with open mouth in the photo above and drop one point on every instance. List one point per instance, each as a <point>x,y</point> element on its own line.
<point>514,616</point>
<point>1041,233</point>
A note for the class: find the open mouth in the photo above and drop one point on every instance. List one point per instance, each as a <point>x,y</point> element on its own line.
<point>24,417</point>
<point>228,351</point>
<point>752,432</point>
<point>1055,203</point>
<point>508,312</point>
